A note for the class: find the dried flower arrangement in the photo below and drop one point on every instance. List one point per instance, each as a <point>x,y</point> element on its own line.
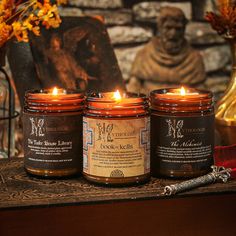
<point>19,17</point>
<point>224,22</point>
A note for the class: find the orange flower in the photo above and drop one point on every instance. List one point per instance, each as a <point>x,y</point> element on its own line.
<point>20,32</point>
<point>49,16</point>
<point>5,32</point>
<point>225,21</point>
<point>32,24</point>
<point>19,17</point>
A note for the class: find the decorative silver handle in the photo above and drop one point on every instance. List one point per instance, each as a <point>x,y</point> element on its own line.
<point>218,173</point>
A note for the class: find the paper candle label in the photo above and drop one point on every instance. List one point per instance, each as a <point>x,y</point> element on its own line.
<point>116,147</point>
<point>183,143</point>
<point>53,142</point>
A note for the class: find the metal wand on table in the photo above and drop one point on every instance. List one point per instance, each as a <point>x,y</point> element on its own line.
<point>218,173</point>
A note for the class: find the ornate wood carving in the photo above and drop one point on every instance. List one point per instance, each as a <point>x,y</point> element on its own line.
<point>17,189</point>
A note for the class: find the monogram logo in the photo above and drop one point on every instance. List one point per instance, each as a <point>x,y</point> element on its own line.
<point>175,128</point>
<point>104,132</point>
<point>37,127</point>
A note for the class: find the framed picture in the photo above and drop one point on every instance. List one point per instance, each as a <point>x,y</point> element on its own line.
<point>77,55</point>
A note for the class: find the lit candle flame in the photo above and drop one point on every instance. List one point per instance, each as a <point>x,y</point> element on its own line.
<point>55,91</point>
<point>117,95</point>
<point>182,91</point>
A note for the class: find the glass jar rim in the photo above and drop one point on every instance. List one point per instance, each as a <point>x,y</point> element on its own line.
<point>130,104</point>
<point>195,100</point>
<point>44,101</point>
<point>196,93</point>
<point>44,94</point>
<point>104,100</point>
<point>107,96</point>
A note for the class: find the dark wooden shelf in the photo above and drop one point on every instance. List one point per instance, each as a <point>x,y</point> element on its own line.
<point>17,189</point>
<point>27,203</point>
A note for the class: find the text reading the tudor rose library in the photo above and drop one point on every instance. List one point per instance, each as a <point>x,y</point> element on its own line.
<point>47,148</point>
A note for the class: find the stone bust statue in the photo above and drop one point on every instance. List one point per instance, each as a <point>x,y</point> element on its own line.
<point>168,59</point>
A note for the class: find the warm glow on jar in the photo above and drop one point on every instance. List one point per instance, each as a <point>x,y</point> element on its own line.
<point>116,138</point>
<point>182,132</point>
<point>53,132</point>
<point>117,95</point>
<point>182,91</point>
<point>55,91</point>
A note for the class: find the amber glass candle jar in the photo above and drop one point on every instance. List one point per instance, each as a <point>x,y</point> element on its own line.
<point>116,131</point>
<point>182,132</point>
<point>52,123</point>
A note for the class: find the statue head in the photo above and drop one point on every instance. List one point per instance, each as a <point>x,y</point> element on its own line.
<point>171,26</point>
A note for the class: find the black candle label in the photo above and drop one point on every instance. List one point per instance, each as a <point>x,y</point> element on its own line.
<point>182,143</point>
<point>53,142</point>
<point>116,147</point>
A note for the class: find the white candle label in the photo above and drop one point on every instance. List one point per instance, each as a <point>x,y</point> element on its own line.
<point>52,142</point>
<point>183,143</point>
<point>116,147</point>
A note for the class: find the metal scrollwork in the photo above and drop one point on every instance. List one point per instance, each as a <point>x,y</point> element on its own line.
<point>218,173</point>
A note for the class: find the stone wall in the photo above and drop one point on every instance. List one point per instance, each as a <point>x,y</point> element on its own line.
<point>131,24</point>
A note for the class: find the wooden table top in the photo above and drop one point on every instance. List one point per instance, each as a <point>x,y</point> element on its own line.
<point>18,190</point>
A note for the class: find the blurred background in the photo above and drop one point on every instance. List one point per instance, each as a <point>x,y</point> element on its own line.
<point>132,23</point>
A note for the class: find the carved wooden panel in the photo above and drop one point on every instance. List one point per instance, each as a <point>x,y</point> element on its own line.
<point>17,189</point>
